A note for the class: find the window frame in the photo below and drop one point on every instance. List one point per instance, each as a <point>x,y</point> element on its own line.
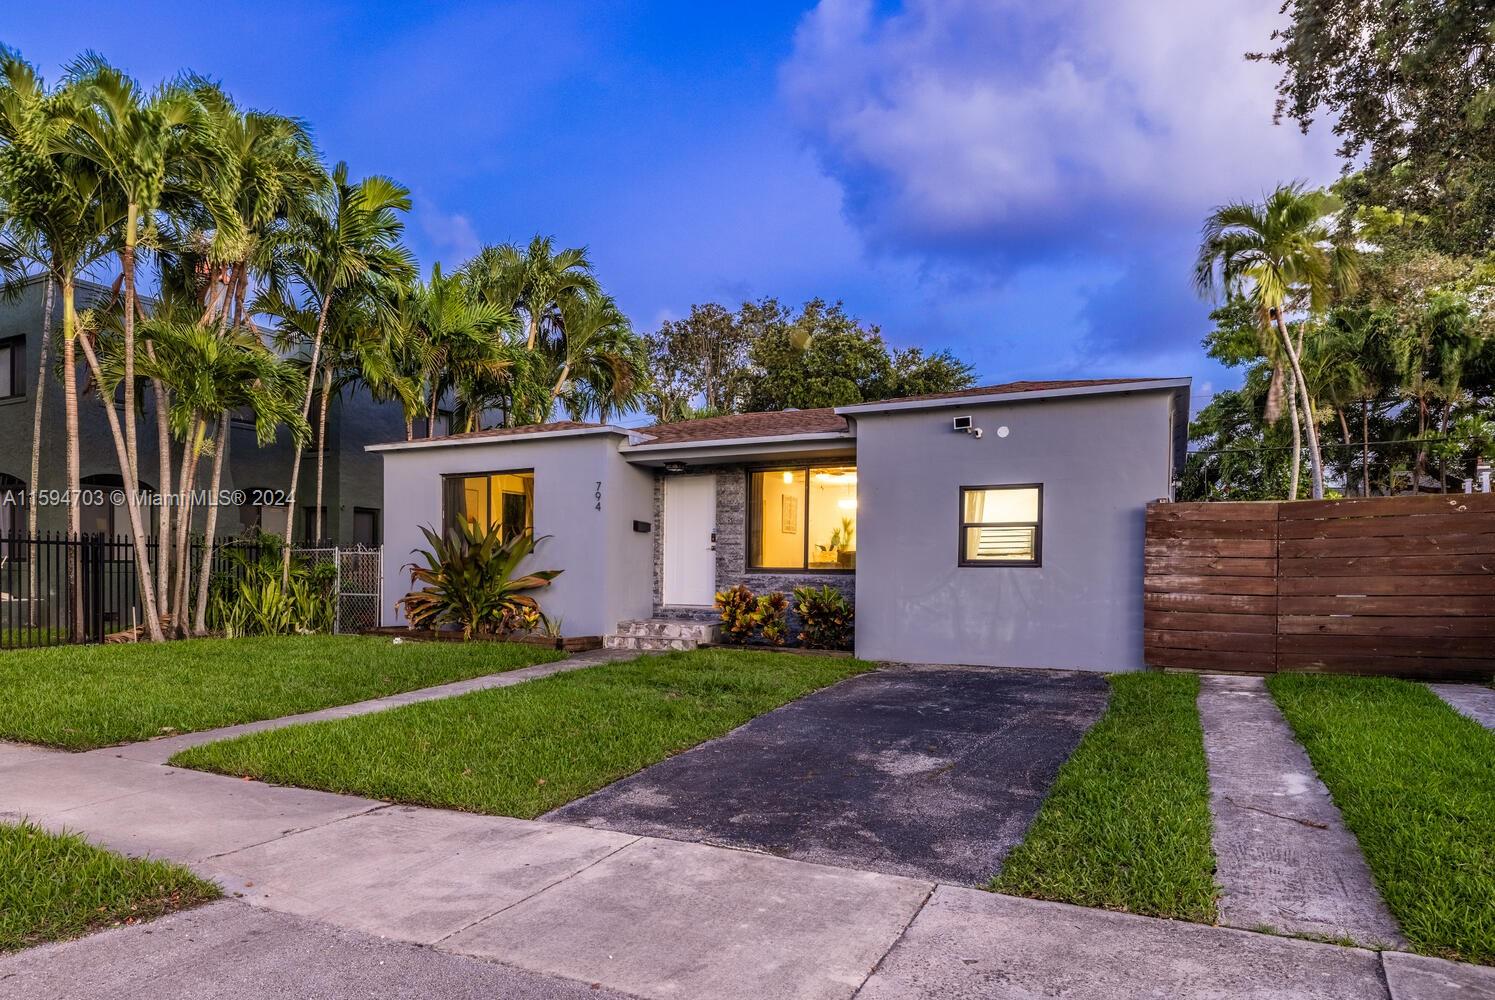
<point>17,362</point>
<point>962,524</point>
<point>753,514</point>
<point>446,514</point>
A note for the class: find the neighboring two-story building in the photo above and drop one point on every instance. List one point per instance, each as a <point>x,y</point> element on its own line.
<point>353,490</point>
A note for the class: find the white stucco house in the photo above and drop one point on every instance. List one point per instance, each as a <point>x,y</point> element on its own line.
<point>1001,525</point>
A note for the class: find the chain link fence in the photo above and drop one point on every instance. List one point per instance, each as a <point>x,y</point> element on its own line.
<point>358,576</point>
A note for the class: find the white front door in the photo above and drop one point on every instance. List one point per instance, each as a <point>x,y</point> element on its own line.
<point>689,547</point>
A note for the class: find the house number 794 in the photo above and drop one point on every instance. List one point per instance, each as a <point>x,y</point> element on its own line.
<point>598,496</point>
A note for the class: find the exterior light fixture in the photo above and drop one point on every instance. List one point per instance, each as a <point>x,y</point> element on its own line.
<point>674,466</point>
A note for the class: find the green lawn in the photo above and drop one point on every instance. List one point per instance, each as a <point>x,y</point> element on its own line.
<point>1415,781</point>
<point>81,697</point>
<point>58,886</point>
<point>526,749</point>
<point>1127,824</point>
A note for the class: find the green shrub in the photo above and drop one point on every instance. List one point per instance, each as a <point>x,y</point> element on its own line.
<point>470,581</point>
<point>247,597</point>
<point>826,617</point>
<point>773,618</point>
<point>739,611</point>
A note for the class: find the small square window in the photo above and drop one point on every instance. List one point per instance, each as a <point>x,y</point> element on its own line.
<point>1001,525</point>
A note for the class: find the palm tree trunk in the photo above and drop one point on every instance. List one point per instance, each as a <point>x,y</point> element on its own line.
<point>74,475</point>
<point>318,510</point>
<point>127,266</point>
<point>191,456</point>
<point>1365,446</point>
<point>1315,457</point>
<point>316,357</point>
<point>534,330</point>
<point>1292,493</point>
<point>1344,429</point>
<point>132,502</point>
<point>36,450</point>
<point>1442,458</point>
<point>163,488</point>
<point>1422,432</point>
<point>200,616</point>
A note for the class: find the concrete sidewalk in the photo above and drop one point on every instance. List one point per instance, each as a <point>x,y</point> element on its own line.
<point>635,915</point>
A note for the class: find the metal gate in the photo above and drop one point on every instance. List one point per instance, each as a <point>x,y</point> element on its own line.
<point>356,583</point>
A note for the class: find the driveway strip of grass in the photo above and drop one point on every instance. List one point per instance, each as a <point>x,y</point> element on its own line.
<point>524,750</point>
<point>1415,782</point>
<point>1126,825</point>
<point>57,886</point>
<point>83,697</point>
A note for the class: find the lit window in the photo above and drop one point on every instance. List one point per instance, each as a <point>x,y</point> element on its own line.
<point>1001,525</point>
<point>502,499</point>
<point>804,518</point>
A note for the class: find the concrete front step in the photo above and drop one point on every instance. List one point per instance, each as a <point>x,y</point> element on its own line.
<point>661,634</point>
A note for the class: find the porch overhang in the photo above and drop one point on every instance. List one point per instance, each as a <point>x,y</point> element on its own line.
<point>733,450</point>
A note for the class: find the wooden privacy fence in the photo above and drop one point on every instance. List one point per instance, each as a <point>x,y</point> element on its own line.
<point>1395,585</point>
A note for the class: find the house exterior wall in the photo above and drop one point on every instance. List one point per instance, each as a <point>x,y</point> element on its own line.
<point>731,543</point>
<point>1100,459</point>
<point>604,562</point>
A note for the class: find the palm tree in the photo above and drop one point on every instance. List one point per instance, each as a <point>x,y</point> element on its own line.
<point>603,364</point>
<point>1279,255</point>
<point>459,344</point>
<point>351,239</point>
<point>212,375</point>
<point>65,204</point>
<point>536,282</point>
<point>137,141</point>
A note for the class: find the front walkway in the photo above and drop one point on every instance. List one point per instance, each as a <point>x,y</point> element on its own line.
<point>1285,860</point>
<point>636,915</point>
<point>1473,700</point>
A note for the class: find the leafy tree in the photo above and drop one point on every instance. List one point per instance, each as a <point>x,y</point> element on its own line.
<point>1410,88</point>
<point>767,357</point>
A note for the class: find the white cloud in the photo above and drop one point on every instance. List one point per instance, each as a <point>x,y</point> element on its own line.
<point>1011,131</point>
<point>451,235</point>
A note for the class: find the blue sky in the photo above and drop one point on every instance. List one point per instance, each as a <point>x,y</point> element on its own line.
<point>1022,183</point>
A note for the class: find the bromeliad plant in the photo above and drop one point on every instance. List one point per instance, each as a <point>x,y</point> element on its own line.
<point>469,580</point>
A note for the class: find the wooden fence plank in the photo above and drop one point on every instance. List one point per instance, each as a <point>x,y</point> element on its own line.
<point>1391,605</point>
<point>1367,545</point>
<point>1265,586</point>
<point>1194,659</point>
<point>1188,621</point>
<point>1353,586</point>
<point>1365,527</point>
<point>1239,642</point>
<point>1452,503</point>
<point>1425,565</point>
<point>1240,604</point>
<point>1347,624</point>
<point>1214,548</point>
<point>1183,565</point>
<point>1219,529</point>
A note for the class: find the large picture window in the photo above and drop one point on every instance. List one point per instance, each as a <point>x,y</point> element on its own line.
<point>803,518</point>
<point>502,499</point>
<point>1001,525</point>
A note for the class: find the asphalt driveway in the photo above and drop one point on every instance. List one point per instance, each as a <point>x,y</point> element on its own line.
<point>924,771</point>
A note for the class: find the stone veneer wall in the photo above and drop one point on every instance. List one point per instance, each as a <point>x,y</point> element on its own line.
<point>731,546</point>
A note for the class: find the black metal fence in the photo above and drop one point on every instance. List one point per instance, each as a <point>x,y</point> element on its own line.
<point>57,588</point>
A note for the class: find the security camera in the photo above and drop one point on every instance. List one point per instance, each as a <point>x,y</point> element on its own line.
<point>976,433</point>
